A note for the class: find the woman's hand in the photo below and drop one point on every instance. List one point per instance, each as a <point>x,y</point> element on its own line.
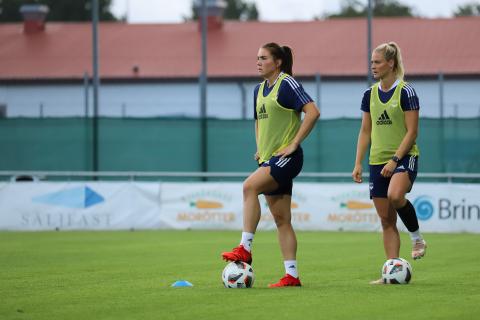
<point>357,173</point>
<point>256,156</point>
<point>388,169</point>
<point>288,150</point>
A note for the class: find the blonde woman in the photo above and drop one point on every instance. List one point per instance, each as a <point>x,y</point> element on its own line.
<point>390,127</point>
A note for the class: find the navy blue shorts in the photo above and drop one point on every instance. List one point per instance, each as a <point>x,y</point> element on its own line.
<point>379,184</point>
<point>283,171</point>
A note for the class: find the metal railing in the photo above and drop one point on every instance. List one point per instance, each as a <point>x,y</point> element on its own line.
<point>134,175</point>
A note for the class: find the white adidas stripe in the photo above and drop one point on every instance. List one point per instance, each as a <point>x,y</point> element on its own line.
<point>409,90</point>
<point>279,163</point>
<point>292,81</point>
<point>285,162</point>
<point>298,90</point>
<point>411,163</point>
<point>282,162</point>
<point>411,94</point>
<point>300,93</point>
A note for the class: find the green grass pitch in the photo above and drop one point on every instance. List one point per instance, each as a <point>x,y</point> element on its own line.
<point>127,275</point>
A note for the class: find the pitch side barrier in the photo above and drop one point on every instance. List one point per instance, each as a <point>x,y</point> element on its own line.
<point>59,200</point>
<point>139,175</point>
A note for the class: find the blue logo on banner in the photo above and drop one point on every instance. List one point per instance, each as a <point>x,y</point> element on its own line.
<point>424,207</point>
<point>80,198</point>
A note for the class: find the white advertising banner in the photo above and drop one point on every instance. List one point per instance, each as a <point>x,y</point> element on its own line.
<point>78,206</point>
<point>149,205</point>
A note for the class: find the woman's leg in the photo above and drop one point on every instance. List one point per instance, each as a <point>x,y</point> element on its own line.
<point>280,207</point>
<point>258,182</point>
<point>398,188</point>
<point>400,184</point>
<point>388,218</point>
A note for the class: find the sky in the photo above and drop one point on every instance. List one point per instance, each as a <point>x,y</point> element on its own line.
<point>173,11</point>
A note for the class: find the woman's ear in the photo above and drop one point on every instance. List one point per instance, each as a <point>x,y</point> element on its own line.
<point>391,63</point>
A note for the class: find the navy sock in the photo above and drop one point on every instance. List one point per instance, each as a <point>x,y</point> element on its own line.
<point>409,217</point>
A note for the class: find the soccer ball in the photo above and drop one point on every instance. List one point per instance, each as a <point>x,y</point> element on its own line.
<point>238,274</point>
<point>396,271</point>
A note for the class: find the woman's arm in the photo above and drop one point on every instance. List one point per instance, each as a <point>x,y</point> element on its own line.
<point>411,122</point>
<point>363,142</point>
<point>256,156</point>
<point>311,115</point>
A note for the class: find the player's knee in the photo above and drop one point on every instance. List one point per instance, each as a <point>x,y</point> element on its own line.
<point>396,198</point>
<point>249,189</point>
<point>281,220</point>
<point>388,222</point>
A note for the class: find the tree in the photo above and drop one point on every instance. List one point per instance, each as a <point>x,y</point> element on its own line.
<point>390,8</point>
<point>381,8</point>
<point>235,10</point>
<point>59,10</point>
<point>469,9</point>
<point>349,9</point>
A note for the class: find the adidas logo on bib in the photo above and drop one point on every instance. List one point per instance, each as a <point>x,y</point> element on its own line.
<point>262,113</point>
<point>384,119</point>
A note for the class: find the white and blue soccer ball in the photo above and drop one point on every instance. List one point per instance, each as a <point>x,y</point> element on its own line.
<point>238,274</point>
<point>396,271</point>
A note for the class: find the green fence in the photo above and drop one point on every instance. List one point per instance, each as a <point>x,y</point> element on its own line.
<point>157,144</point>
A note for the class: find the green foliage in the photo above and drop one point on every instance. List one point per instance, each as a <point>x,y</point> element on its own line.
<point>391,8</point>
<point>59,10</point>
<point>240,10</point>
<point>235,10</point>
<point>381,8</point>
<point>127,275</point>
<point>349,9</point>
<point>469,9</point>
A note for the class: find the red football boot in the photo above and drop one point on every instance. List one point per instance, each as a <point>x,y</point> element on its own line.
<point>238,254</point>
<point>286,281</point>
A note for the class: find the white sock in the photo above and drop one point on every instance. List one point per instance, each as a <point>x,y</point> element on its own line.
<point>415,235</point>
<point>291,267</point>
<point>247,239</point>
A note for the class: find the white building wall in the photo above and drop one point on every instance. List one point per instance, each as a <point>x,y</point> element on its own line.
<point>462,98</point>
<point>337,99</point>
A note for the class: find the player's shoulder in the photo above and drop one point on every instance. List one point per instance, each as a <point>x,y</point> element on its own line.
<point>257,86</point>
<point>257,89</point>
<point>368,91</point>
<point>370,88</point>
<point>289,80</point>
<point>408,89</point>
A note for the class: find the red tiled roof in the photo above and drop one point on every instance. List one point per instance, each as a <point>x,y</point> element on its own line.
<point>331,48</point>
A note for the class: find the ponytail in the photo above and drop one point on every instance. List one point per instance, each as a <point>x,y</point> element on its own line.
<point>287,61</point>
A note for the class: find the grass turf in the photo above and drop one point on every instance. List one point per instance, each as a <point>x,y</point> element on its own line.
<point>127,275</point>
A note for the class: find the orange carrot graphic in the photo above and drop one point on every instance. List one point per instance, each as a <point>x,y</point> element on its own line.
<point>206,204</point>
<point>356,205</point>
